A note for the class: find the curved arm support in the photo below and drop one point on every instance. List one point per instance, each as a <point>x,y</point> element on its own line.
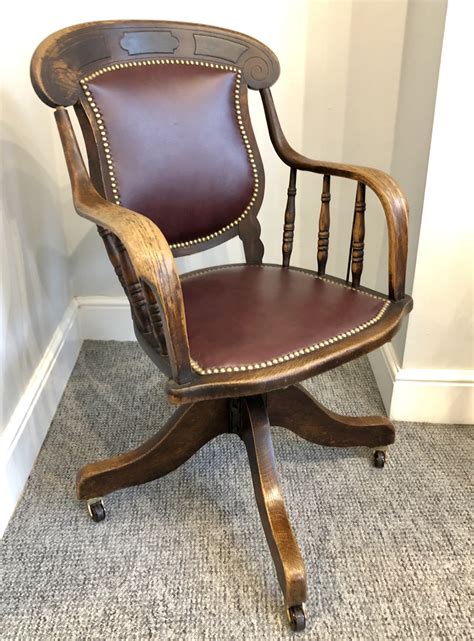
<point>384,186</point>
<point>148,249</point>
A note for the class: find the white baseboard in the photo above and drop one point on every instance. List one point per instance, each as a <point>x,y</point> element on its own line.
<point>423,395</point>
<point>87,317</point>
<point>385,366</point>
<point>21,440</point>
<point>105,318</point>
<point>430,396</point>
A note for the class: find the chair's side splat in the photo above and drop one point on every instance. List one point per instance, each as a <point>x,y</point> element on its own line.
<point>249,233</point>
<point>249,228</point>
<point>118,256</point>
<point>143,304</point>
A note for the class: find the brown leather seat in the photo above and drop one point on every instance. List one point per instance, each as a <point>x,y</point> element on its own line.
<point>245,317</point>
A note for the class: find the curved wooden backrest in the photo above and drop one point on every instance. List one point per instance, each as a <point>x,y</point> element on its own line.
<point>63,58</point>
<point>163,108</point>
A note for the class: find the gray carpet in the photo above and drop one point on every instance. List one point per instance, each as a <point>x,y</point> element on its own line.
<point>387,551</point>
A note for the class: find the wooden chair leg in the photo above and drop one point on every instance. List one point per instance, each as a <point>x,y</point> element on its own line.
<point>255,432</point>
<point>190,427</point>
<point>295,409</point>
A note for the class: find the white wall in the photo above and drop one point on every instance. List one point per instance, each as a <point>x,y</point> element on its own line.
<point>371,76</point>
<point>434,379</point>
<point>441,334</point>
<point>37,351</point>
<point>34,263</point>
<point>415,110</point>
<point>336,99</point>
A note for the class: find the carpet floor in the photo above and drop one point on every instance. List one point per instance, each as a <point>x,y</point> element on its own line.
<point>387,551</point>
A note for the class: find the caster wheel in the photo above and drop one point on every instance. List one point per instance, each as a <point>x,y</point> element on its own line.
<point>297,618</point>
<point>96,510</point>
<point>379,458</point>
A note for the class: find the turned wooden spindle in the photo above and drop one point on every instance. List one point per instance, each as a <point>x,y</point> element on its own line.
<point>356,254</point>
<point>324,220</point>
<point>289,226</point>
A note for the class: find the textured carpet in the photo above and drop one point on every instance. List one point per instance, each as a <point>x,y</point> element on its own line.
<point>184,557</point>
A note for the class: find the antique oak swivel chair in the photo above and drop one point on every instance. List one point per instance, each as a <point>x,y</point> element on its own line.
<point>173,169</point>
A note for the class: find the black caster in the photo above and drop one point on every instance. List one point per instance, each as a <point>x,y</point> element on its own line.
<point>379,458</point>
<point>296,617</point>
<point>96,510</point>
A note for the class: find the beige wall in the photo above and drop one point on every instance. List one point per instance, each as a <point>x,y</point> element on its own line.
<point>371,78</point>
<point>441,334</point>
<point>354,55</point>
<point>415,110</point>
<point>34,290</point>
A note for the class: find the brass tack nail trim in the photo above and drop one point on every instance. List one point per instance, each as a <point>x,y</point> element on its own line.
<point>303,350</point>
<point>106,145</point>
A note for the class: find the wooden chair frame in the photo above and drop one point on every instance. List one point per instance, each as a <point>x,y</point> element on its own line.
<point>243,402</point>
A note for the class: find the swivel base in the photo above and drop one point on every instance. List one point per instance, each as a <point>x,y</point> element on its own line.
<point>194,425</point>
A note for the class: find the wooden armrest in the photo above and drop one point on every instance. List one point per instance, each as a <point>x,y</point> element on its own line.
<point>147,248</point>
<point>384,186</point>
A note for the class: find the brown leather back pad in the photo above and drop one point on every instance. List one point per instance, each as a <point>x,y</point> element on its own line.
<point>178,153</point>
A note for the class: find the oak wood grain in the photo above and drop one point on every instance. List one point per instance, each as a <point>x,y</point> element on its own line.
<point>356,254</point>
<point>297,410</point>
<point>190,427</point>
<point>289,225</point>
<point>281,540</point>
<point>66,55</point>
<point>324,223</point>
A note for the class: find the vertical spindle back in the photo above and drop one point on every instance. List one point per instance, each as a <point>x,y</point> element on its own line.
<point>356,252</point>
<point>289,226</point>
<point>324,221</point>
